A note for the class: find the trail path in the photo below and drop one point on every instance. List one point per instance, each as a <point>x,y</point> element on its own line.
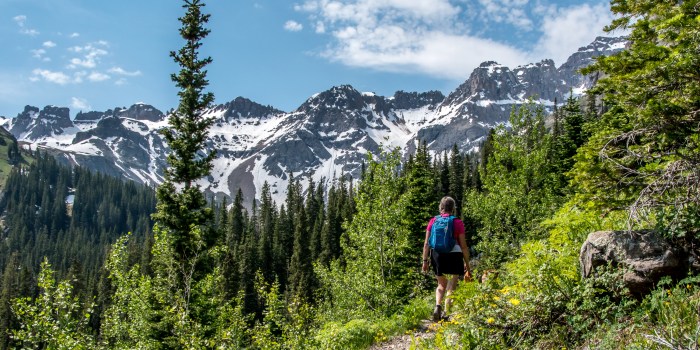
<point>404,341</point>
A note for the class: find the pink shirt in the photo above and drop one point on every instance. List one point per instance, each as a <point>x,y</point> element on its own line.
<point>458,226</point>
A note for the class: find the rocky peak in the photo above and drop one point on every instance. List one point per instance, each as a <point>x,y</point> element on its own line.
<point>34,124</point>
<point>140,111</point>
<point>92,116</point>
<point>343,107</point>
<point>242,107</point>
<point>414,100</point>
<point>540,80</point>
<point>490,81</point>
<point>601,46</point>
<point>341,98</point>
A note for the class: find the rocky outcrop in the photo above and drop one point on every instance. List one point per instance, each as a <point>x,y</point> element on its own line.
<point>414,100</point>
<point>585,56</point>
<point>140,111</point>
<point>34,125</point>
<point>644,257</point>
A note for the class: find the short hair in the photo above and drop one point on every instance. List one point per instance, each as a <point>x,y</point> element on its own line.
<point>447,205</point>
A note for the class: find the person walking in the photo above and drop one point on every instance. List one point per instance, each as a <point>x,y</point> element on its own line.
<point>452,261</point>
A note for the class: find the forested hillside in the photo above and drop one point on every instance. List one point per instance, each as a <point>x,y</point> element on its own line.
<point>68,217</point>
<point>10,156</point>
<point>338,267</point>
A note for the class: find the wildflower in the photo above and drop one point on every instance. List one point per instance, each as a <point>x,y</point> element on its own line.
<point>490,320</point>
<point>495,298</point>
<point>514,301</point>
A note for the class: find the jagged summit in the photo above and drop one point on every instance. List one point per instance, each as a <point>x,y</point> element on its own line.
<point>327,136</point>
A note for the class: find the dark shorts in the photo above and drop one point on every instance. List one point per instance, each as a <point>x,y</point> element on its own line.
<point>447,263</point>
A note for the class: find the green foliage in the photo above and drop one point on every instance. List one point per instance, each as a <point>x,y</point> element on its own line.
<point>154,312</point>
<point>360,333</point>
<point>55,319</point>
<point>376,277</point>
<point>39,223</point>
<point>666,319</point>
<point>183,209</point>
<point>519,188</point>
<point>355,334</point>
<point>284,325</point>
<point>645,153</point>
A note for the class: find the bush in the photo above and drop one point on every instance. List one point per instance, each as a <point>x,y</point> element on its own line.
<point>361,333</point>
<point>356,334</point>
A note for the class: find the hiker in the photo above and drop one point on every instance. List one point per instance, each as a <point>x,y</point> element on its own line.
<point>454,261</point>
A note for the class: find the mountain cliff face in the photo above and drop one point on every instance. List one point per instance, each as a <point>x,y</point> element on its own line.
<point>328,136</point>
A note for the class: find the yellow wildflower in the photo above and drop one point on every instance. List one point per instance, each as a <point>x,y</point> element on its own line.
<point>495,298</point>
<point>514,301</point>
<point>490,320</point>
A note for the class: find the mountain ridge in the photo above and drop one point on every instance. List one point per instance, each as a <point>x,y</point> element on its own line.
<point>327,136</point>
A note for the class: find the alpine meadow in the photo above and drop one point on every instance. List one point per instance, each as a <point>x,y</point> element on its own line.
<point>241,226</point>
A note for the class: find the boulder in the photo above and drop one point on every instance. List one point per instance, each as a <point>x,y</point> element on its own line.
<point>644,256</point>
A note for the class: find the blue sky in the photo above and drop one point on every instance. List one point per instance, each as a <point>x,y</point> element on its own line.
<point>97,55</point>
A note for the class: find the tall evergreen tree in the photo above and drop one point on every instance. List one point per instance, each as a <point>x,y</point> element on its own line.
<point>266,221</point>
<point>444,175</point>
<point>420,195</point>
<point>301,274</point>
<point>181,204</point>
<point>456,178</point>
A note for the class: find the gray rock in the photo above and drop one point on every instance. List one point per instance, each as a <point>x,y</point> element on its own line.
<point>644,256</point>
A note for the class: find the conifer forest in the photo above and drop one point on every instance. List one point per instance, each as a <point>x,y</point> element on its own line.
<point>93,262</point>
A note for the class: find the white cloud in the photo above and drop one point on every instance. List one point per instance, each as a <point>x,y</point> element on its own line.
<point>507,11</point>
<point>447,38</point>
<point>30,32</point>
<point>120,82</point>
<point>121,71</point>
<point>38,53</point>
<point>74,35</point>
<point>424,36</point>
<point>59,78</point>
<point>91,55</point>
<point>80,103</point>
<point>21,21</point>
<point>293,26</point>
<point>49,44</point>
<point>570,28</point>
<point>97,76</point>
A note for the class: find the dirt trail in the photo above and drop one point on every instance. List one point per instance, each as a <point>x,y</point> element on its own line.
<point>404,341</point>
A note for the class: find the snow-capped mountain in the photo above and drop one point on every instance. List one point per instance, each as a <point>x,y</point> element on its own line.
<point>328,136</point>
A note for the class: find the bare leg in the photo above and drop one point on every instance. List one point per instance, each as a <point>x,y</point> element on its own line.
<point>451,285</point>
<point>439,294</point>
<point>440,290</point>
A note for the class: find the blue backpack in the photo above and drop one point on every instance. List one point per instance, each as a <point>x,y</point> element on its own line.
<point>442,238</point>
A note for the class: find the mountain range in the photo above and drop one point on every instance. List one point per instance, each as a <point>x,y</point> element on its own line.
<point>328,136</point>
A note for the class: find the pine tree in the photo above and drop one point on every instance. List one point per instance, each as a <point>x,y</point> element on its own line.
<point>456,178</point>
<point>266,221</point>
<point>181,204</point>
<point>301,274</point>
<point>644,155</point>
<point>444,175</point>
<point>420,196</point>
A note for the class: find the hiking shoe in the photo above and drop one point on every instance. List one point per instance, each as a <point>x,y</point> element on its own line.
<point>437,313</point>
